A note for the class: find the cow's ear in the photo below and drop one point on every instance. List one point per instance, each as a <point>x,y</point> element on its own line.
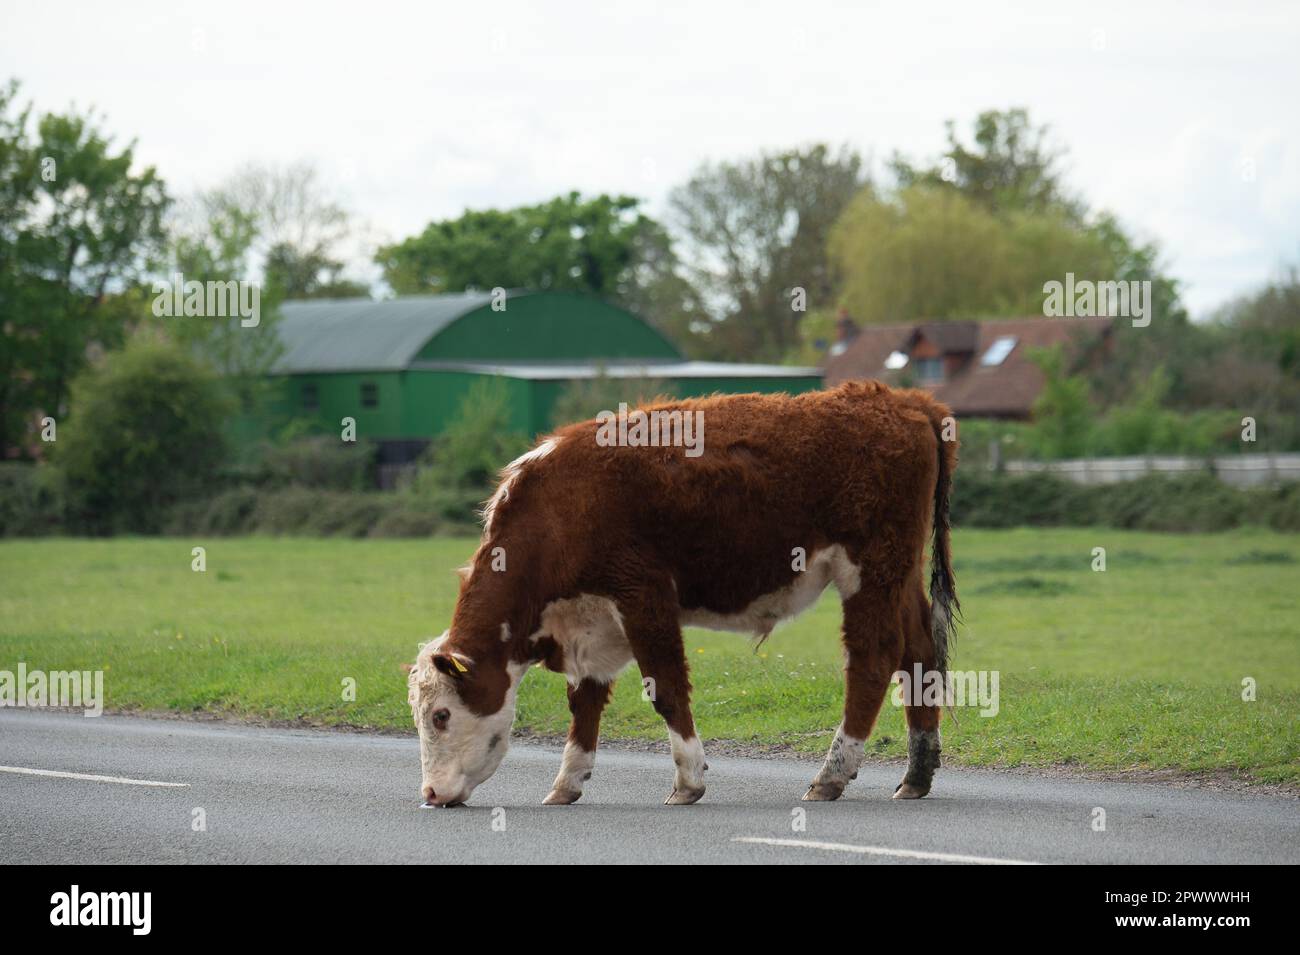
<point>452,664</point>
<point>406,667</point>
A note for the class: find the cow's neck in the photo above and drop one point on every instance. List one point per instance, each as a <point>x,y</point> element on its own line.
<point>499,608</point>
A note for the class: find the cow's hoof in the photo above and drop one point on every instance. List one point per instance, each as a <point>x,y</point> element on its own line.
<point>908,791</point>
<point>684,797</point>
<point>561,797</point>
<point>824,792</point>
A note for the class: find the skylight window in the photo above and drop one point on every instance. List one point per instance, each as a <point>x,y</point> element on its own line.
<point>896,360</point>
<point>998,351</point>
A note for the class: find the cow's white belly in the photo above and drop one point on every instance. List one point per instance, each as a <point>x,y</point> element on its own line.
<point>589,629</point>
<point>825,567</point>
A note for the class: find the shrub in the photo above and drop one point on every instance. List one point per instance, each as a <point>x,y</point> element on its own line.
<point>348,515</point>
<point>287,511</point>
<point>584,399</point>
<point>459,470</point>
<point>320,462</point>
<point>980,499</point>
<point>406,520</point>
<point>1063,410</point>
<point>227,513</point>
<point>978,434</point>
<point>145,432</point>
<point>303,512</point>
<point>1196,502</point>
<point>32,500</point>
<point>1153,502</point>
<point>1276,507</point>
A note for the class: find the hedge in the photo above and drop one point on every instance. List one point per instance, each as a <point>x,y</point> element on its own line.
<point>32,504</point>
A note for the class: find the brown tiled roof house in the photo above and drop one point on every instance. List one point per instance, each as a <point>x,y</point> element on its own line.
<point>979,369</point>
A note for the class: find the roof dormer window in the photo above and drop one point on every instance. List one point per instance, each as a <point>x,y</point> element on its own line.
<point>997,352</point>
<point>929,369</point>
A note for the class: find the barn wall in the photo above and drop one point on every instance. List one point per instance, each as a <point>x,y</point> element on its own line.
<point>432,398</point>
<point>339,396</point>
<point>419,404</point>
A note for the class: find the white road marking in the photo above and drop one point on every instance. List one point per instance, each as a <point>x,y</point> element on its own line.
<point>879,851</point>
<point>91,777</point>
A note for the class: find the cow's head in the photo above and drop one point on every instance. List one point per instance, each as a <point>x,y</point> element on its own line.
<point>463,709</point>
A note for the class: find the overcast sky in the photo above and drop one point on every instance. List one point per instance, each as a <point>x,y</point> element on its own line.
<point>1181,117</point>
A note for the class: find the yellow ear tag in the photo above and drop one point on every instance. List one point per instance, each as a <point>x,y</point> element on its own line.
<point>459,666</point>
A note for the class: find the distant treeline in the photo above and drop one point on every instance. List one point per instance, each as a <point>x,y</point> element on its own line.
<point>753,260</point>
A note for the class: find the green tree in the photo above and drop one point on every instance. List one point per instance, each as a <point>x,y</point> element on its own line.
<point>1012,165</point>
<point>756,231</point>
<point>592,245</point>
<point>213,241</point>
<point>300,230</point>
<point>978,231</point>
<point>292,273</point>
<point>145,433</point>
<point>604,245</point>
<point>1247,360</point>
<point>931,254</point>
<point>1172,340</point>
<point>1063,416</point>
<point>79,228</point>
<point>279,220</point>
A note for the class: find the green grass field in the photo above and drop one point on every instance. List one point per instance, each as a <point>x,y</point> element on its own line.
<point>1137,667</point>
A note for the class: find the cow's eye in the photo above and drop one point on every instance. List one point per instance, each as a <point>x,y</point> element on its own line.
<point>440,718</point>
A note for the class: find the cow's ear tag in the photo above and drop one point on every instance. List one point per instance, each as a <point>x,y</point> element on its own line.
<point>448,663</point>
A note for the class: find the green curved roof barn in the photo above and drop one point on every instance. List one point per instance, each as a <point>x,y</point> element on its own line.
<point>368,335</point>
<point>402,368</point>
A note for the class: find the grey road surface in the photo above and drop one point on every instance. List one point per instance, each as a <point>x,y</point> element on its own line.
<point>270,795</point>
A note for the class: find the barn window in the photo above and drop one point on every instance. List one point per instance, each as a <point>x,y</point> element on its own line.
<point>369,394</point>
<point>310,396</point>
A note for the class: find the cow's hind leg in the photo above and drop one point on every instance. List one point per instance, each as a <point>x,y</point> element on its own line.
<point>586,702</point>
<point>873,644</point>
<point>650,621</point>
<point>922,718</point>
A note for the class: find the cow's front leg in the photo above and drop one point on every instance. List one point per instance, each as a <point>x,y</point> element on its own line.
<point>656,639</point>
<point>872,644</point>
<point>586,702</point>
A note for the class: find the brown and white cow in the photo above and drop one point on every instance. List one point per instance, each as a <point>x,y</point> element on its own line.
<point>594,556</point>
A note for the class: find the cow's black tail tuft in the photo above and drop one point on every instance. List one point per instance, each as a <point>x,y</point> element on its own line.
<point>945,608</point>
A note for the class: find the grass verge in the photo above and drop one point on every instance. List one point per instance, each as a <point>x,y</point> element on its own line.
<point>1137,667</point>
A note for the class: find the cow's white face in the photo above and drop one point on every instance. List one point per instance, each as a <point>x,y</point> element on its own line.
<point>459,748</point>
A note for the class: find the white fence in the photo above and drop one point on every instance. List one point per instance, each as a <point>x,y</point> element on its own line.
<point>1239,470</point>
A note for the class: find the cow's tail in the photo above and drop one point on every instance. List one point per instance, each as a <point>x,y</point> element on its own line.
<point>945,608</point>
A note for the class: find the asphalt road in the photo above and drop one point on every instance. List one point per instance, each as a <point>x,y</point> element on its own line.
<point>304,796</point>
